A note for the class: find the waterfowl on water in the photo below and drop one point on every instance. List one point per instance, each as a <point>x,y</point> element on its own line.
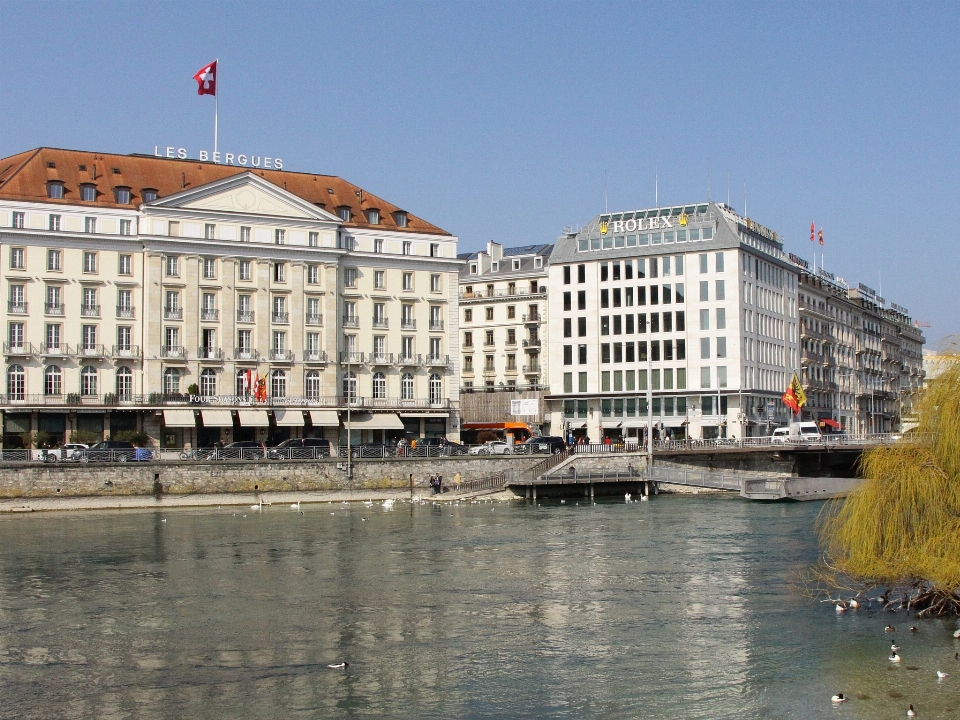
<point>295,506</point>
<point>894,658</point>
<point>841,606</point>
<point>911,712</point>
<point>338,666</point>
<point>894,647</point>
<point>913,629</point>
<point>854,604</point>
<point>956,633</point>
<point>838,698</point>
<point>942,675</point>
<point>889,628</point>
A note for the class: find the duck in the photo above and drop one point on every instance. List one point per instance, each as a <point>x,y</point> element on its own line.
<point>942,675</point>
<point>894,658</point>
<point>626,498</point>
<point>854,604</point>
<point>889,628</point>
<point>338,666</point>
<point>894,647</point>
<point>838,698</point>
<point>911,712</point>
<point>956,633</point>
<point>913,628</point>
<point>841,606</point>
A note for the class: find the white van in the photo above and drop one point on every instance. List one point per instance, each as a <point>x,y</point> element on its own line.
<point>796,433</point>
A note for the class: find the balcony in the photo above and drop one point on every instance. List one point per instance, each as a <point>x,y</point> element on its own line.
<point>209,353</point>
<point>519,292</point>
<point>245,354</point>
<point>281,317</point>
<point>381,358</point>
<point>438,361</point>
<point>531,369</point>
<point>173,352</point>
<point>17,308</point>
<point>131,352</point>
<point>125,312</point>
<point>314,356</point>
<point>351,358</point>
<point>277,355</point>
<point>408,361</point>
<point>170,313</point>
<point>247,316</point>
<point>53,309</point>
<point>532,318</point>
<point>408,324</point>
<point>314,319</point>
<point>380,323</point>
<point>351,321</point>
<point>61,350</point>
<point>436,326</point>
<point>532,342</point>
<point>23,349</point>
<point>210,315</point>
<point>90,311</point>
<point>91,351</point>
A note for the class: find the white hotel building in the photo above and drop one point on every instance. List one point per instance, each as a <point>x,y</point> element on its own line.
<point>695,301</point>
<point>144,293</point>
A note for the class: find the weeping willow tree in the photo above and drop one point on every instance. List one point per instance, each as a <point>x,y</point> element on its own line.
<point>900,530</point>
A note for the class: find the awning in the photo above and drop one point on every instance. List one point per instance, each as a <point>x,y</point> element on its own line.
<point>217,418</point>
<point>577,424</point>
<point>289,418</point>
<point>379,421</point>
<point>635,423</point>
<point>325,418</point>
<point>254,418</point>
<point>424,415</point>
<point>178,418</point>
<point>610,424</point>
<point>830,422</point>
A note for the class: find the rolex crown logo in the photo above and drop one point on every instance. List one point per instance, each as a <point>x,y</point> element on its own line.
<point>683,219</point>
<point>603,227</point>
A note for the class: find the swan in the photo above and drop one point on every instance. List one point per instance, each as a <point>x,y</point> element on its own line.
<point>894,658</point>
<point>338,666</point>
<point>626,498</point>
<point>838,698</point>
<point>258,506</point>
<point>911,712</point>
<point>942,675</point>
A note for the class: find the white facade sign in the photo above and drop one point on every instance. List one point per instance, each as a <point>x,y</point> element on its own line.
<point>524,407</point>
<point>221,158</point>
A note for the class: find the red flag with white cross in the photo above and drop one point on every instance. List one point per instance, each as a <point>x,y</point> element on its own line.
<point>206,78</point>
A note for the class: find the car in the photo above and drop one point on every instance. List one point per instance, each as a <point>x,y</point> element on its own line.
<point>493,447</point>
<point>64,453</point>
<point>300,449</point>
<point>545,444</point>
<point>242,450</point>
<point>114,451</point>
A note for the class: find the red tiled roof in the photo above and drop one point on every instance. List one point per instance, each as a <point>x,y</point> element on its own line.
<point>25,176</point>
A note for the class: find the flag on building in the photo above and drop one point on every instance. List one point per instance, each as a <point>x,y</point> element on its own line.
<point>206,78</point>
<point>813,231</point>
<point>794,397</point>
<point>820,235</point>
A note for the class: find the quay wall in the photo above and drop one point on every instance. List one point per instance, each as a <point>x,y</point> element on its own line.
<point>41,480</point>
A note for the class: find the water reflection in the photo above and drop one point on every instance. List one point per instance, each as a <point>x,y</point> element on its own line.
<point>679,607</point>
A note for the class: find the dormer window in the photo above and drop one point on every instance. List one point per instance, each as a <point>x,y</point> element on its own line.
<point>123,195</point>
<point>516,264</point>
<point>401,218</point>
<point>55,190</point>
<point>88,193</point>
<point>373,217</point>
<point>473,269</point>
<point>343,212</point>
<point>538,262</point>
<point>495,266</point>
<point>150,195</point>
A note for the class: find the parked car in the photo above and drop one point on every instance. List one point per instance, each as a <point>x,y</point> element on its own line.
<point>242,450</point>
<point>64,453</point>
<point>493,447</point>
<point>114,451</point>
<point>300,448</point>
<point>546,444</point>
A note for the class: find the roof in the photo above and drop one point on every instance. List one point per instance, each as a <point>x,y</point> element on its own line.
<point>25,176</point>
<point>528,250</point>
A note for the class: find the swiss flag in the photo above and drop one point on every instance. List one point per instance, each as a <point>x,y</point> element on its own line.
<point>206,78</point>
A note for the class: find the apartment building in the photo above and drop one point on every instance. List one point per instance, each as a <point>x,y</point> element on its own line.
<point>200,302</point>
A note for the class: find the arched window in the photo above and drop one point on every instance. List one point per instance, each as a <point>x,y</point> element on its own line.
<point>406,387</point>
<point>53,381</point>
<point>379,386</point>
<point>208,383</point>
<point>350,386</point>
<point>16,382</point>
<point>436,389</point>
<point>88,381</point>
<point>278,384</point>
<point>171,381</point>
<point>124,383</point>
<point>313,385</point>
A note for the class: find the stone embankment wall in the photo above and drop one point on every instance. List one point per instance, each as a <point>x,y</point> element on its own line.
<point>109,479</point>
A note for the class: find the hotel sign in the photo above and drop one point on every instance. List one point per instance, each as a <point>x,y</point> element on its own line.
<point>221,158</point>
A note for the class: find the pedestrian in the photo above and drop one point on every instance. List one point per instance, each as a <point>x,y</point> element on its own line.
<point>456,481</point>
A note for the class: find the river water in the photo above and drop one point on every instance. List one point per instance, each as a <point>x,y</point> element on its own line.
<point>682,607</point>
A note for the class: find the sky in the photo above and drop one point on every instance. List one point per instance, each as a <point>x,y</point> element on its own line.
<point>509,121</point>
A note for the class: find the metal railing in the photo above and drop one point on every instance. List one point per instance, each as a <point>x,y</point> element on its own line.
<point>381,358</point>
<point>126,312</point>
<point>53,308</point>
<point>381,323</point>
<point>409,360</point>
<point>23,348</point>
<point>408,324</point>
<point>281,317</point>
<point>438,360</point>
<point>16,308</point>
<point>314,319</point>
<point>436,325</point>
<point>89,311</point>
<point>246,316</point>
<point>310,356</point>
<point>173,352</point>
<point>351,321</point>
<point>209,353</point>
<point>281,355</point>
<point>245,353</point>
<point>210,315</point>
<point>125,351</point>
<point>91,351</point>
<point>351,358</point>
<point>55,350</point>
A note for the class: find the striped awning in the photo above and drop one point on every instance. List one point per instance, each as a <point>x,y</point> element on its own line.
<point>289,418</point>
<point>217,418</point>
<point>179,418</point>
<point>254,418</point>
<point>324,418</point>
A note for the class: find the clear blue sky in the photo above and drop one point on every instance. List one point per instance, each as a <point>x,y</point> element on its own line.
<point>506,121</point>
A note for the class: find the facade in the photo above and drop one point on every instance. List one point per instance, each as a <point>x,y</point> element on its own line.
<point>504,313</point>
<point>696,301</point>
<point>200,303</point>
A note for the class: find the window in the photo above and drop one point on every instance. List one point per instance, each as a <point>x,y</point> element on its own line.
<point>468,339</point>
<point>54,222</point>
<point>567,327</point>
<point>401,218</point>
<point>721,319</point>
<point>244,234</point>
<point>488,312</point>
<point>55,190</point>
<point>681,349</point>
<point>603,272</point>
<point>407,247</point>
<point>568,354</point>
<point>243,270</point>
<point>90,225</point>
<point>89,306</point>
<point>124,337</point>
<point>704,319</point>
<point>722,376</point>
<point>208,383</point>
<point>149,195</point>
<point>19,220</point>
<point>379,279</point>
<point>703,263</point>
<point>343,212</point>
<point>435,389</point>
<point>278,384</point>
<point>488,337</point>
<point>435,283</point>
<point>406,387</point>
<point>313,239</point>
<point>313,275</point>
<point>88,381</point>
<point>279,272</point>
<point>171,381</point>
<point>468,315</point>
<point>581,327</point>
<point>468,363</point>
<point>171,337</point>
<point>210,231</point>
<point>568,388</point>
<point>53,381</point>
<point>312,384</point>
<point>721,290</point>
<point>581,300</point>
<point>122,195</point>
<point>721,347</point>
<point>350,277</point>
<point>89,262</point>
<point>378,245</point>
<point>15,335</point>
<point>434,249</point>
<point>17,258</point>
<point>704,348</point>
<point>88,193</point>
<point>379,386</point>
<point>719,264</point>
<point>209,268</point>
<point>511,312</point>
<point>582,382</point>
<point>581,354</point>
<point>280,238</point>
<point>605,325</point>
<point>173,266</point>
<point>566,274</point>
<point>126,265</point>
<point>172,305</point>
<point>408,281</point>
<point>704,291</point>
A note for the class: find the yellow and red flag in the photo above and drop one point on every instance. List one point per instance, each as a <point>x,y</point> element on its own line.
<point>794,397</point>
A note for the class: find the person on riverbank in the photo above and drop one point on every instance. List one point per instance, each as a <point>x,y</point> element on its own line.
<point>456,481</point>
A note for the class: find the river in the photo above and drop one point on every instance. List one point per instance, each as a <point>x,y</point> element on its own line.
<point>681,607</point>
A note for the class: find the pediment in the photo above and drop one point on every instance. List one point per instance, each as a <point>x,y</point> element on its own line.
<point>246,194</point>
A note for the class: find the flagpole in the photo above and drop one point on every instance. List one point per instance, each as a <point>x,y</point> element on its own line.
<point>216,106</point>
